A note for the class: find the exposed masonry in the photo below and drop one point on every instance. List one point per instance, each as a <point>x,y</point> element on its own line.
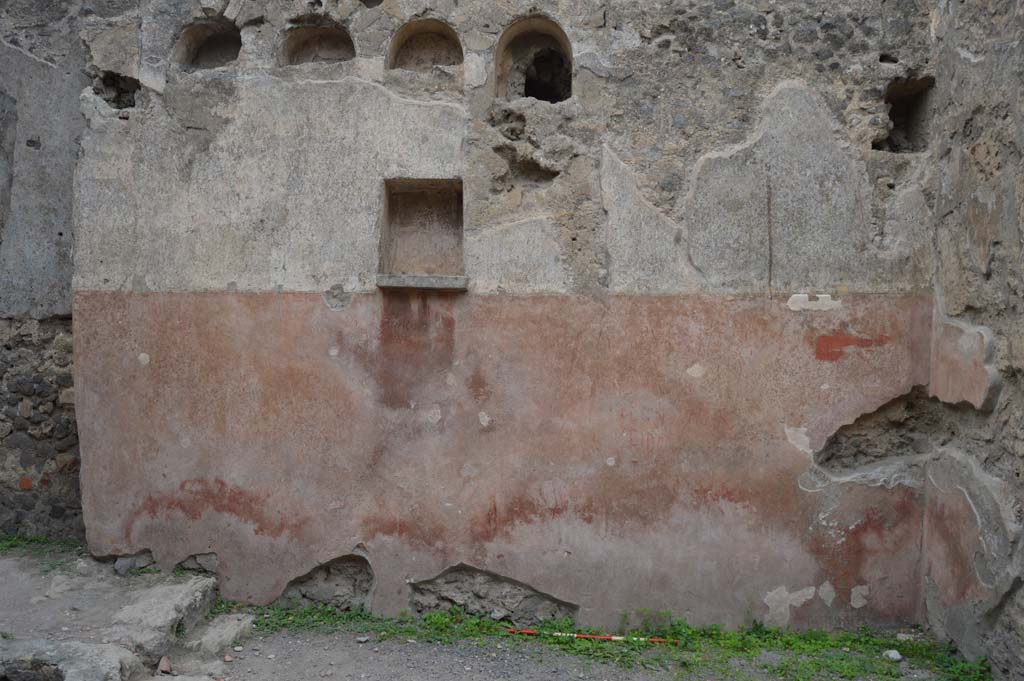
<point>345,583</point>
<point>38,438</point>
<point>485,594</point>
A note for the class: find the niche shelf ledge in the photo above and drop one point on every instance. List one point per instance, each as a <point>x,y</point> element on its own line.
<point>433,282</point>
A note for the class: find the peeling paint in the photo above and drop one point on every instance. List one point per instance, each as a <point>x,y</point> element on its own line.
<point>798,438</point>
<point>859,596</point>
<point>804,301</point>
<point>780,600</point>
<point>827,593</point>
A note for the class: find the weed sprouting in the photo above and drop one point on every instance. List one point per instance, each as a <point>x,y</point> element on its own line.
<point>803,655</point>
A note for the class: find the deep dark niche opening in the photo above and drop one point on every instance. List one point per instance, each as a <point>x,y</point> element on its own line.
<point>910,111</point>
<point>548,77</point>
<point>534,59</point>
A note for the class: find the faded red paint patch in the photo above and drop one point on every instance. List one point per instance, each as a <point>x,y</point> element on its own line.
<point>832,347</point>
<point>501,516</point>
<point>196,497</point>
<point>25,484</point>
<point>419,530</point>
<point>417,344</point>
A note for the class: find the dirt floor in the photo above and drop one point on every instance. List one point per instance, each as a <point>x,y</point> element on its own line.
<point>61,610</point>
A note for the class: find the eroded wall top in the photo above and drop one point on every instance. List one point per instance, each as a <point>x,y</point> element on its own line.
<point>601,147</point>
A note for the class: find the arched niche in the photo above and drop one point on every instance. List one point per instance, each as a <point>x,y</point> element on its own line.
<point>307,43</point>
<point>422,44</point>
<point>534,59</point>
<point>208,45</point>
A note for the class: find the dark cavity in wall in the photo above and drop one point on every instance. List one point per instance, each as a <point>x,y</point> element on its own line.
<point>485,594</point>
<point>534,59</point>
<point>312,42</point>
<point>912,424</point>
<point>344,583</point>
<point>208,45</point>
<point>548,77</point>
<point>910,112</point>
<point>117,90</point>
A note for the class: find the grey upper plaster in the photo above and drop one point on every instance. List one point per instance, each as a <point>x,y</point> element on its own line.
<point>35,223</point>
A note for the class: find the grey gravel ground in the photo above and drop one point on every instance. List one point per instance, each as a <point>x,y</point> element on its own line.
<point>340,657</point>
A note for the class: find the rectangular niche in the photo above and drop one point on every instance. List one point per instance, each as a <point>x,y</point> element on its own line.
<point>421,235</point>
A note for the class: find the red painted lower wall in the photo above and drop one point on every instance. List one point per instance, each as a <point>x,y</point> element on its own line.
<point>618,453</point>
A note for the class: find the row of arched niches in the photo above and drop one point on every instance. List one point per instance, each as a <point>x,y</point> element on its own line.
<point>533,57</point>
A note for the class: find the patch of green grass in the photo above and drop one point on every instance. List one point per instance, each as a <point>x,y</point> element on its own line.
<point>797,656</point>
<point>34,544</point>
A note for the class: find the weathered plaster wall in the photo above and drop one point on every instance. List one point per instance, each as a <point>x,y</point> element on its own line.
<point>723,332</point>
<point>42,74</point>
<point>979,208</point>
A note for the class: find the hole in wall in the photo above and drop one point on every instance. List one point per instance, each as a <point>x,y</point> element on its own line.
<point>422,230</point>
<point>888,58</point>
<point>423,44</point>
<point>371,3</point>
<point>116,90</point>
<point>208,45</point>
<point>547,77</point>
<point>486,594</point>
<point>344,583</point>
<point>910,112</point>
<point>534,59</point>
<point>308,44</point>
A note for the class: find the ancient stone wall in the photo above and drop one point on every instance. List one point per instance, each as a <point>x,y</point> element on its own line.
<point>38,441</point>
<point>616,304</point>
<point>43,69</point>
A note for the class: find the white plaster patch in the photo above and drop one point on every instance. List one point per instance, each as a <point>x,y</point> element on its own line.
<point>967,55</point>
<point>474,70</point>
<point>333,352</point>
<point>798,438</point>
<point>780,600</point>
<point>610,461</point>
<point>827,593</point>
<point>485,420</point>
<point>143,358</point>
<point>434,415</point>
<point>802,301</point>
<point>859,595</point>
<point>696,371</point>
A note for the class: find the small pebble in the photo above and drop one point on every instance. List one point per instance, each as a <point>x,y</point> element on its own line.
<point>893,655</point>
<point>904,637</point>
<point>238,649</point>
<point>228,658</point>
<point>362,639</point>
<point>164,667</point>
